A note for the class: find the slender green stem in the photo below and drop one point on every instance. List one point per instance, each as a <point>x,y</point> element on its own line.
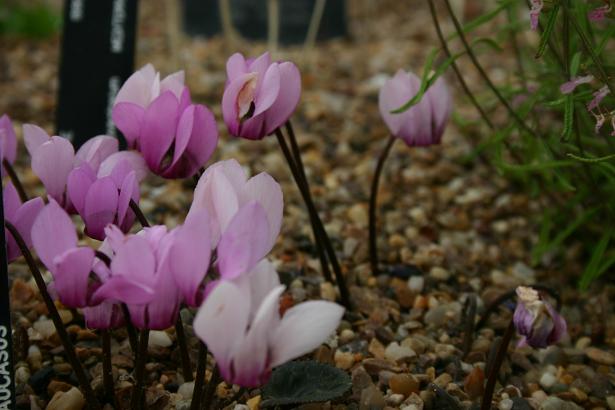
<point>373,201</point>
<point>512,34</point>
<point>590,50</point>
<point>199,382</point>
<point>345,296</point>
<point>138,393</point>
<point>15,180</point>
<point>484,75</point>
<point>304,186</point>
<point>183,349</point>
<point>69,348</point>
<point>107,368</point>
<point>495,367</point>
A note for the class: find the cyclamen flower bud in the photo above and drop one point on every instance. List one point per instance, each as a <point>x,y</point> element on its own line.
<point>422,124</point>
<point>536,320</point>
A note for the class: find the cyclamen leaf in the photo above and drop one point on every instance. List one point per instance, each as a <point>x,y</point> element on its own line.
<point>305,382</point>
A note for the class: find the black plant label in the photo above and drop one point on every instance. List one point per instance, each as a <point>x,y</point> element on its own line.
<point>7,384</point>
<point>98,46</point>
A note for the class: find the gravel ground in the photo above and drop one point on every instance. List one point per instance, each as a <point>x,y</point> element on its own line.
<point>450,230</point>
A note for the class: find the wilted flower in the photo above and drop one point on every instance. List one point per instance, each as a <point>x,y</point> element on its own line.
<point>224,188</point>
<point>598,97</point>
<point>240,323</point>
<point>535,10</point>
<point>8,140</point>
<point>156,270</point>
<point>422,124</point>
<point>158,118</point>
<point>260,95</point>
<point>569,86</point>
<point>21,216</point>
<point>536,320</point>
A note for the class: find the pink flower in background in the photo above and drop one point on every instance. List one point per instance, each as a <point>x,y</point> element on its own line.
<point>599,13</point>
<point>240,323</point>
<point>535,13</point>
<point>8,140</point>
<point>570,86</point>
<point>422,124</point>
<point>105,200</point>
<point>260,95</point>
<point>536,320</point>
<point>598,97</point>
<point>107,315</point>
<point>22,217</point>
<point>156,270</point>
<point>158,118</point>
<point>55,239</point>
<point>224,188</point>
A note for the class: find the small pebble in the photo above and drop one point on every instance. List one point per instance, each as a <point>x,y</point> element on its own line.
<point>159,338</point>
<point>186,390</point>
<point>343,360</point>
<point>394,352</point>
<point>404,384</point>
<point>70,400</point>
<point>439,274</point>
<point>416,283</point>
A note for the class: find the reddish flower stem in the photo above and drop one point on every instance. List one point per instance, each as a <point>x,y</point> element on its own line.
<point>373,243</point>
<point>138,393</point>
<point>15,180</point>
<point>107,368</point>
<point>345,296</point>
<point>495,367</point>
<point>199,383</point>
<point>69,348</point>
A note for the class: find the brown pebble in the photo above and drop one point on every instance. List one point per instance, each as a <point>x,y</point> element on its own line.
<point>405,384</point>
<point>56,386</point>
<point>474,383</point>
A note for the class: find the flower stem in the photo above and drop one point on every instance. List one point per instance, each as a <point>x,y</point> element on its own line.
<point>208,396</point>
<point>373,200</point>
<point>138,393</point>
<point>319,226</point>
<point>15,180</point>
<point>470,319</point>
<point>300,169</point>
<point>55,317</point>
<point>495,367</point>
<point>183,349</point>
<point>139,214</point>
<point>107,368</point>
<point>199,382</point>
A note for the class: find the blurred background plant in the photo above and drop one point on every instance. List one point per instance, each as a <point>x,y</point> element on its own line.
<point>548,122</point>
<point>31,19</point>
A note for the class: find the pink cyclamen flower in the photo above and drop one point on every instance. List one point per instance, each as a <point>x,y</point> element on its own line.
<point>224,188</point>
<point>8,140</point>
<point>158,118</point>
<point>536,320</point>
<point>422,124</point>
<point>598,97</point>
<point>22,217</point>
<point>240,323</point>
<point>260,95</point>
<point>104,200</point>
<point>570,86</point>
<point>535,13</point>
<point>156,270</point>
<point>55,239</point>
<point>599,13</point>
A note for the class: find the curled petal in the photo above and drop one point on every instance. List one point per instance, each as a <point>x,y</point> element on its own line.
<point>34,136</point>
<point>52,162</point>
<point>96,150</point>
<point>53,233</point>
<point>133,157</point>
<point>70,276</point>
<point>288,97</point>
<point>8,139</point>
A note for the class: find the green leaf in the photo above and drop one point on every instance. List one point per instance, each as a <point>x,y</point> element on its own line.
<point>574,63</point>
<point>305,382</point>
<point>592,270</point>
<point>480,20</point>
<point>591,160</point>
<point>546,34</point>
<point>568,117</point>
<point>538,166</point>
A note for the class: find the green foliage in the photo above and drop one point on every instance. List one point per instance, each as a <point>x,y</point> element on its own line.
<point>27,19</point>
<point>555,149</point>
<point>305,382</point>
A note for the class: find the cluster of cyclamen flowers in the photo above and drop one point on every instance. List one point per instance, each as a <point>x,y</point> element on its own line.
<point>216,260</point>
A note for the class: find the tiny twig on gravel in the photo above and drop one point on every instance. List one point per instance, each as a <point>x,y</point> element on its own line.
<point>468,329</point>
